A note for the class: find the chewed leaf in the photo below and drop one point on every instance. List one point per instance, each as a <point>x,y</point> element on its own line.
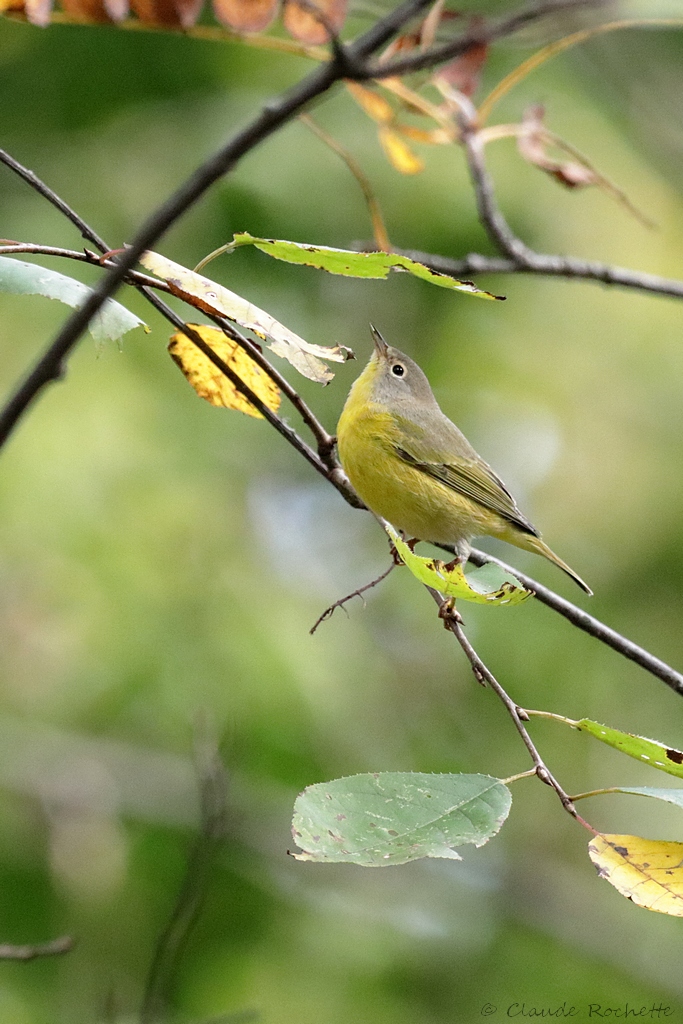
<point>214,298</point>
<point>488,585</point>
<point>394,817</point>
<point>210,383</point>
<point>532,144</point>
<point>647,871</point>
<point>652,752</point>
<point>20,278</point>
<point>354,264</point>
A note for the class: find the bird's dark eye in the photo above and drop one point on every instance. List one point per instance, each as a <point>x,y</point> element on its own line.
<point>398,370</point>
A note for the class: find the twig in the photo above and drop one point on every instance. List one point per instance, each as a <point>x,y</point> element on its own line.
<point>483,674</point>
<point>52,197</point>
<point>213,793</point>
<point>54,948</point>
<point>329,612</point>
<point>520,258</point>
<point>548,265</point>
<point>589,624</point>
<point>425,59</point>
<point>379,229</point>
<point>490,216</point>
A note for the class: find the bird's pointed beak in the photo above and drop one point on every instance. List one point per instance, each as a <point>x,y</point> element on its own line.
<point>381,346</point>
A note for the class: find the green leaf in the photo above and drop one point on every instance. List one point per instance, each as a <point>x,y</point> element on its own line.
<point>489,584</point>
<point>657,755</point>
<point>395,817</point>
<point>669,796</point>
<point>20,278</point>
<point>353,264</point>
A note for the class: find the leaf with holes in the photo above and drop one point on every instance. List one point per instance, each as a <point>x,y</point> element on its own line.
<point>489,584</point>
<point>375,265</point>
<point>647,871</point>
<point>213,298</point>
<point>394,817</point>
<point>20,278</point>
<point>652,752</point>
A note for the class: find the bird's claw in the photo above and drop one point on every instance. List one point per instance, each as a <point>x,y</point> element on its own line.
<point>449,614</point>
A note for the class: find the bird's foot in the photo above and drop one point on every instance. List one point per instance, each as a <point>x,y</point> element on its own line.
<point>449,614</point>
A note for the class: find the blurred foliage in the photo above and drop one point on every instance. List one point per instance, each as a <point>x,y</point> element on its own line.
<point>161,559</point>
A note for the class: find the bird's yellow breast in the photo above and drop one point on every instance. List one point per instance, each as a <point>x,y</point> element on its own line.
<point>410,499</point>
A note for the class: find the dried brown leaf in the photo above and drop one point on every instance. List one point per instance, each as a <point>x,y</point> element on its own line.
<point>401,45</point>
<point>464,73</point>
<point>301,22</point>
<point>430,25</point>
<point>245,15</point>
<point>11,5</point>
<point>101,11</point>
<point>532,144</point>
<point>158,12</point>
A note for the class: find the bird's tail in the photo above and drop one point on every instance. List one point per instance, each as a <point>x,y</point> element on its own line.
<point>535,544</point>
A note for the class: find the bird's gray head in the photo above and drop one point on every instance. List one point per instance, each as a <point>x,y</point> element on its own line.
<point>398,380</point>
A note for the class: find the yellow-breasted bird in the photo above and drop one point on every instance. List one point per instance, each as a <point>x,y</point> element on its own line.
<point>412,466</point>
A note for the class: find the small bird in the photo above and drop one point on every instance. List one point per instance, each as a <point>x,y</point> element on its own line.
<point>412,466</point>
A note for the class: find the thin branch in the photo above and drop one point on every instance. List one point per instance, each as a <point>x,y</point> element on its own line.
<point>54,948</point>
<point>548,265</point>
<point>52,197</point>
<point>589,624</point>
<point>329,612</point>
<point>490,215</point>
<point>274,115</point>
<point>213,785</point>
<point>483,674</point>
<point>379,229</point>
<point>425,59</point>
<point>521,259</point>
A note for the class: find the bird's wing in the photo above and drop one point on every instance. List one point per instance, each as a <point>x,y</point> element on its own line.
<point>472,478</point>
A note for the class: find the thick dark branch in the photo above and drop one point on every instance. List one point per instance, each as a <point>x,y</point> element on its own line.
<point>54,948</point>
<point>435,55</point>
<point>589,624</point>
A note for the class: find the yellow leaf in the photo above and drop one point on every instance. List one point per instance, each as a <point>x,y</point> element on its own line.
<point>399,153</point>
<point>647,871</point>
<point>435,137</point>
<point>374,105</point>
<point>210,383</point>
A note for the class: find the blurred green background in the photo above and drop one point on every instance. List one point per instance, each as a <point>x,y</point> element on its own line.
<point>162,560</point>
